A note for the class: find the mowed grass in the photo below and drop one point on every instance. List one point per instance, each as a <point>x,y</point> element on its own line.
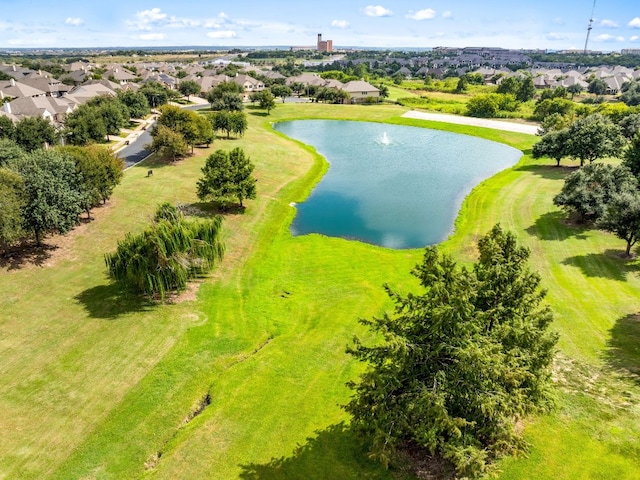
<point>99,384</point>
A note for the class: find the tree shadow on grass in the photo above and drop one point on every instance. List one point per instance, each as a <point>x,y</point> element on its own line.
<point>551,172</point>
<point>259,114</point>
<point>207,209</point>
<point>334,452</point>
<point>111,301</point>
<point>26,254</point>
<point>611,264</point>
<point>553,226</point>
<point>623,353</point>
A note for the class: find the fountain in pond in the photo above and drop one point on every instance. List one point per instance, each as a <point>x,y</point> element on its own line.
<point>385,139</point>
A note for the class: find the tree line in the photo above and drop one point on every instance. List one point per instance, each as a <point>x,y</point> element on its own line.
<point>602,195</point>
<point>46,191</point>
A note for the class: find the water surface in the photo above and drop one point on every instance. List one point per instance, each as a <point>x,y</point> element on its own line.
<point>391,185</point>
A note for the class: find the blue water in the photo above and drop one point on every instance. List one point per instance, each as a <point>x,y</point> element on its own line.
<point>390,185</point>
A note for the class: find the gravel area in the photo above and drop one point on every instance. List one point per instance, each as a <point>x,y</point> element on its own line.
<point>476,122</point>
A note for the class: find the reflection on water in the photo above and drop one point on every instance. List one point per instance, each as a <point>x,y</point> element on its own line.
<point>390,185</point>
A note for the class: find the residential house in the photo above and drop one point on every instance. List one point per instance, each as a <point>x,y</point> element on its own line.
<point>360,91</point>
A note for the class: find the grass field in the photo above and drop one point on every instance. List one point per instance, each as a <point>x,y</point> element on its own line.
<point>244,378</point>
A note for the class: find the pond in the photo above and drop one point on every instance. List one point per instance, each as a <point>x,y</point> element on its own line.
<point>390,185</point>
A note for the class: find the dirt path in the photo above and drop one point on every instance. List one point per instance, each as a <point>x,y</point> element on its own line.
<point>476,122</point>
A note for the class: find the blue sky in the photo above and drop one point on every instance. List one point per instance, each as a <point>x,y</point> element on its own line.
<point>558,24</point>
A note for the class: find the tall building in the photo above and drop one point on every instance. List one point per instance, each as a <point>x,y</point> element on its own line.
<point>324,45</point>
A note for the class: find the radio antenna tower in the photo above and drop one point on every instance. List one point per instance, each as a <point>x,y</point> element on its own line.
<point>586,42</point>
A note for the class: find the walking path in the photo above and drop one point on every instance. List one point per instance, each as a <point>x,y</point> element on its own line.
<point>476,122</point>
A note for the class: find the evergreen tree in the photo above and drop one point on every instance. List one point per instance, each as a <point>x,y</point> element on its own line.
<point>460,363</point>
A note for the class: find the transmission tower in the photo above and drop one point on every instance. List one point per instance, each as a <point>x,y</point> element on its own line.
<point>586,42</point>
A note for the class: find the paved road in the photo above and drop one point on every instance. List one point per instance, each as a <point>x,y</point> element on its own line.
<point>135,151</point>
<point>478,122</point>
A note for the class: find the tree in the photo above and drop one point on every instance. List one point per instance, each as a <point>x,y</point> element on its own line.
<point>189,87</point>
<point>204,130</point>
<point>552,145</point>
<point>229,122</point>
<point>265,100</point>
<point>510,85</point>
<point>630,125</point>
<point>7,128</point>
<point>12,202</point>
<point>483,106</point>
<point>632,156</point>
<point>527,90</point>
<point>227,175</point>
<point>597,86</point>
<point>594,137</point>
<point>10,153</point>
<point>622,217</point>
<point>226,96</point>
<point>52,187</point>
<point>156,93</point>
<point>587,192</point>
<point>85,125</point>
<point>281,91</point>
<point>575,89</point>
<point>33,133</point>
<point>549,106</point>
<point>101,170</point>
<point>554,122</point>
<point>164,257</point>
<point>136,102</point>
<point>459,363</point>
<point>631,93</point>
<point>463,84</point>
<point>168,142</point>
<point>114,114</point>
<point>237,123</point>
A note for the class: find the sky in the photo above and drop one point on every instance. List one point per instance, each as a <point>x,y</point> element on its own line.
<point>543,24</point>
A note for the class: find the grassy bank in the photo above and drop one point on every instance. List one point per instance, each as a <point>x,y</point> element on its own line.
<point>245,378</point>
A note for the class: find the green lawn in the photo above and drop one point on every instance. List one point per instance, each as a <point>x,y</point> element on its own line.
<point>99,384</point>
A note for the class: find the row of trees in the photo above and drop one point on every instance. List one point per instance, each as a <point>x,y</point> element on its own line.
<point>602,195</point>
<point>179,130</point>
<point>605,196</point>
<point>586,139</point>
<point>46,191</point>
<point>30,133</point>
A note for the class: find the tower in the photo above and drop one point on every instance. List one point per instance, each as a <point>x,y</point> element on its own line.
<point>586,42</point>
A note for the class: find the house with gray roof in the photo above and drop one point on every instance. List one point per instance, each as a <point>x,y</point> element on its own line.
<point>360,91</point>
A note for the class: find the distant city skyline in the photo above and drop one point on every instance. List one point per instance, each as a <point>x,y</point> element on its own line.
<point>541,24</point>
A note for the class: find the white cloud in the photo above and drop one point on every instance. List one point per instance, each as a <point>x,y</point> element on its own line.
<point>156,37</point>
<point>447,14</point>
<point>144,19</point>
<point>426,14</point>
<point>609,38</point>
<point>553,36</point>
<point>76,22</point>
<point>222,34</point>
<point>340,24</point>
<point>635,22</point>
<point>377,11</point>
<point>635,38</point>
<point>608,23</point>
